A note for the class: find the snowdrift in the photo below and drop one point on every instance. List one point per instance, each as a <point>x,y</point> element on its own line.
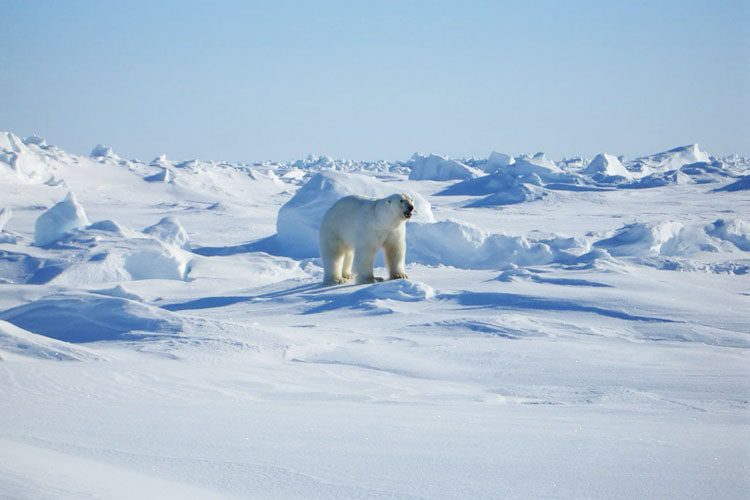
<point>299,219</point>
<point>20,342</point>
<point>463,245</point>
<point>675,239</point>
<point>79,317</point>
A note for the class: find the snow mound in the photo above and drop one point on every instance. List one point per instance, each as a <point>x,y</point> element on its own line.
<point>672,159</point>
<point>124,259</point>
<point>170,231</point>
<point>56,222</point>
<point>516,192</point>
<point>736,231</point>
<point>89,318</point>
<point>663,238</point>
<point>17,341</point>
<point>299,218</point>
<point>607,165</point>
<point>401,290</point>
<point>743,184</point>
<point>438,168</point>
<point>463,245</point>
<point>158,262</point>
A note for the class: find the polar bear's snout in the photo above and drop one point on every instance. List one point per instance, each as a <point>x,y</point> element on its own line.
<point>408,206</point>
<point>408,210</point>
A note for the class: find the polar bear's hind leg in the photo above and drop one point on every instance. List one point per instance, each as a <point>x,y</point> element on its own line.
<point>347,267</point>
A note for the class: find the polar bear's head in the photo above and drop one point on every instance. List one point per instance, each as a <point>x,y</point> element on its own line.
<point>401,205</point>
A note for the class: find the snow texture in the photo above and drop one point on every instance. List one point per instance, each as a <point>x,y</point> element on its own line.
<point>569,329</point>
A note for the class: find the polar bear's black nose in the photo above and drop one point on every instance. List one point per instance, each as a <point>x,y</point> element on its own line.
<point>409,210</point>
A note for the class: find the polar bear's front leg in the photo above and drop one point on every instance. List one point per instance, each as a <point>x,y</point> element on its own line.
<point>395,254</point>
<point>364,260</point>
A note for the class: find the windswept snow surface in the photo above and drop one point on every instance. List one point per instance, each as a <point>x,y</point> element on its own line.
<point>568,330</point>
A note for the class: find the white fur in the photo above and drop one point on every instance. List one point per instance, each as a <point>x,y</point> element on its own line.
<point>355,228</point>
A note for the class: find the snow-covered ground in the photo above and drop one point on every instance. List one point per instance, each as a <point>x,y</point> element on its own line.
<point>570,329</point>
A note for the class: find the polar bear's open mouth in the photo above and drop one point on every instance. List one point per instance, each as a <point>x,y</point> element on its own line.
<point>408,213</point>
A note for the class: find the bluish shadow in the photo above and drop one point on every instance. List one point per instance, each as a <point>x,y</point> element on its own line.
<point>516,301</point>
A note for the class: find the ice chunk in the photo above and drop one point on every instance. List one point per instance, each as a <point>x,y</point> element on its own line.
<point>101,152</point>
<point>5,215</point>
<point>735,230</point>
<point>165,176</point>
<point>498,160</point>
<point>170,231</point>
<point>58,220</point>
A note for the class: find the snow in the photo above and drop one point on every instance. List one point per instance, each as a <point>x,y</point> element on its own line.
<point>439,168</point>
<point>56,222</point>
<point>562,334</point>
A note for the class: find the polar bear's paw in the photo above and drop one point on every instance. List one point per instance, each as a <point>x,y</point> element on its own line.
<point>336,280</point>
<point>369,280</point>
<point>399,276</point>
<point>347,276</point>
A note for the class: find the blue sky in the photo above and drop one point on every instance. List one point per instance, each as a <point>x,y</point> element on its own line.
<point>245,81</point>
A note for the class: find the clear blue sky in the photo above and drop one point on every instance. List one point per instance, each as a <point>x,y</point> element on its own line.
<point>245,81</point>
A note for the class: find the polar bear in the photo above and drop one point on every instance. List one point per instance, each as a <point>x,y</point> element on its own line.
<point>355,228</point>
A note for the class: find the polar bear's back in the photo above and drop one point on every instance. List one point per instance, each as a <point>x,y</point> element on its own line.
<point>346,217</point>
